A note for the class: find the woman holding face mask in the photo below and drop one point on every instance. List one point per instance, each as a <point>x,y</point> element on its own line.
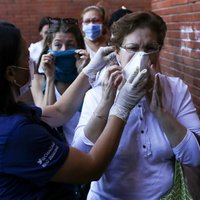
<point>63,57</point>
<point>94,28</point>
<point>160,129</point>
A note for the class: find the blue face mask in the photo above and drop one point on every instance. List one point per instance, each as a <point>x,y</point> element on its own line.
<point>92,31</point>
<point>65,65</point>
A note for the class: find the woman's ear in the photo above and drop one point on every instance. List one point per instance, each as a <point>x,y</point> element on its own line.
<point>10,74</point>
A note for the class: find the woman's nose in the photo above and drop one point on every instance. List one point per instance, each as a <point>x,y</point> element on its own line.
<point>64,48</point>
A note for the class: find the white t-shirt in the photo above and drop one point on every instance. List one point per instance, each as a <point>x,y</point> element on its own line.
<point>35,50</point>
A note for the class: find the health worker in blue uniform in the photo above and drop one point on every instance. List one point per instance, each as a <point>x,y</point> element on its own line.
<point>34,161</point>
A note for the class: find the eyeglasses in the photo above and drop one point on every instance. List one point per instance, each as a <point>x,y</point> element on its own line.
<point>71,21</point>
<point>93,21</point>
<point>133,48</point>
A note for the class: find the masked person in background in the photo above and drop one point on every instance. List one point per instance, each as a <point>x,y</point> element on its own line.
<point>160,129</point>
<point>63,57</point>
<point>94,28</point>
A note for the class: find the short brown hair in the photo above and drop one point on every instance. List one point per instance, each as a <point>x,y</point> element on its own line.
<point>132,21</point>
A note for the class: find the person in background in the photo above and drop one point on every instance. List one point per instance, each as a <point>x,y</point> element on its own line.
<point>94,27</point>
<point>35,162</point>
<point>62,58</point>
<point>117,14</point>
<point>160,129</point>
<point>35,49</point>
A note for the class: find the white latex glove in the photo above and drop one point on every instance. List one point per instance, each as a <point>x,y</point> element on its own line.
<point>100,59</point>
<point>130,94</point>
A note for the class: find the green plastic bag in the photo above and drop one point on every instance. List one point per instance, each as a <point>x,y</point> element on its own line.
<point>179,190</point>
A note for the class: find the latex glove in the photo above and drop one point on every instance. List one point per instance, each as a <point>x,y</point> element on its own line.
<point>100,59</point>
<point>130,94</point>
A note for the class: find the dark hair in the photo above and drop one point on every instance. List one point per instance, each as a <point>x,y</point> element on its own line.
<point>44,21</point>
<point>116,15</point>
<point>132,21</point>
<point>62,27</point>
<point>10,50</point>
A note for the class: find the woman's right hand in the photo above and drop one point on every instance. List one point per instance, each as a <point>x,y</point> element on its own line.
<point>47,63</point>
<point>111,81</point>
<point>97,122</point>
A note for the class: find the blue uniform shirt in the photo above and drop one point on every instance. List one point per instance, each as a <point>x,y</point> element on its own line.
<point>30,155</point>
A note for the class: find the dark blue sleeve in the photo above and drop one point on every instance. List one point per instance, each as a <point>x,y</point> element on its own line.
<point>33,154</point>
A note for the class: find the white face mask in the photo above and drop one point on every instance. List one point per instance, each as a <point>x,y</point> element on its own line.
<point>26,87</point>
<point>140,61</point>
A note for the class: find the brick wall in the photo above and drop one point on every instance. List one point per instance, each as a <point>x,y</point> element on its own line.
<point>181,54</point>
<point>27,13</point>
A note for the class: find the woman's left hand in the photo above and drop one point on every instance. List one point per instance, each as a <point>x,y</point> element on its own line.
<point>154,90</point>
<point>173,129</point>
<point>82,59</point>
<point>156,104</point>
<point>159,92</point>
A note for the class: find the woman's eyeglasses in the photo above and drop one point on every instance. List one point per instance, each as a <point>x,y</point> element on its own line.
<point>71,21</point>
<point>93,21</point>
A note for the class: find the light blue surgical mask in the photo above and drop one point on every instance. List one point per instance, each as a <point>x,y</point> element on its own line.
<point>65,65</point>
<point>92,31</point>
